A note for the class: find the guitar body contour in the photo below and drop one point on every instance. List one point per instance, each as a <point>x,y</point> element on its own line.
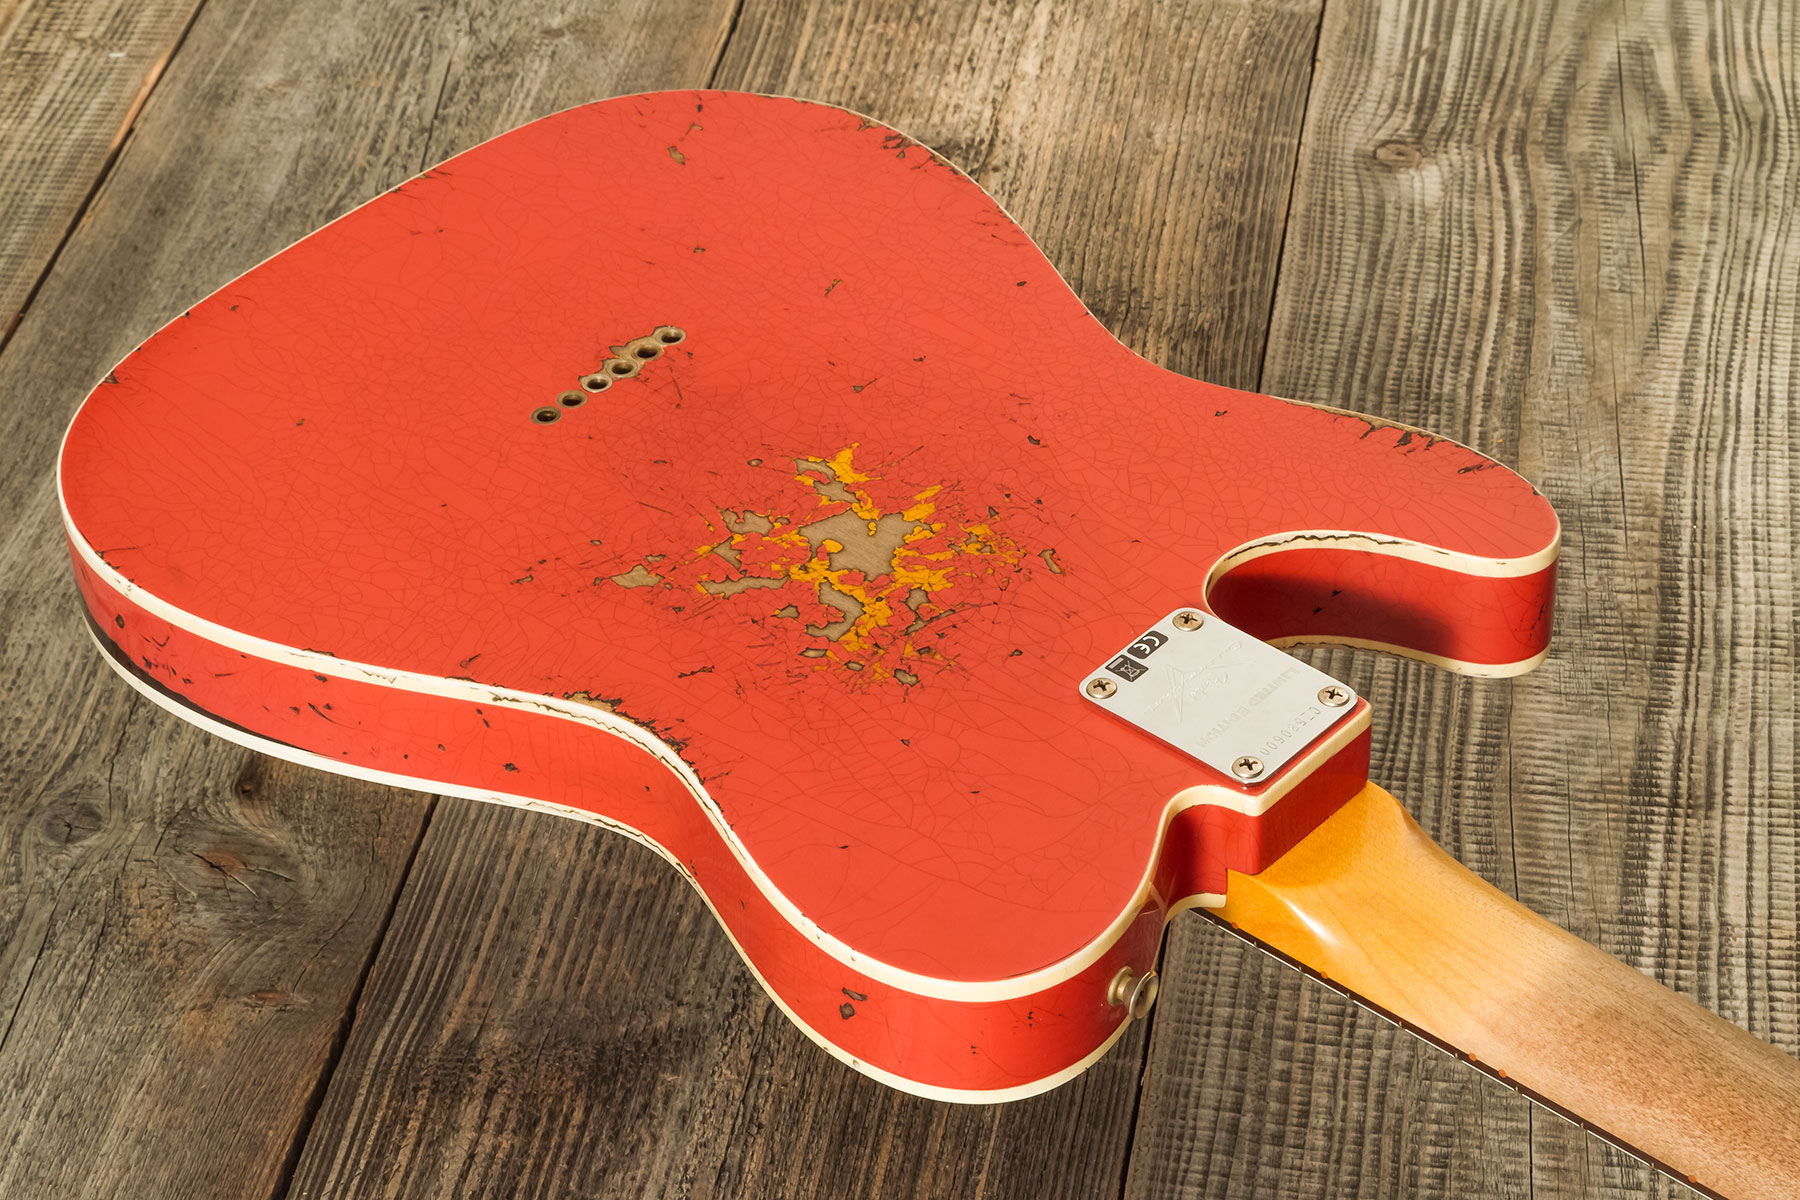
<point>733,472</point>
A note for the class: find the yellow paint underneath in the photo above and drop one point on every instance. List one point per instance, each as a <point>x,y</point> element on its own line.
<point>939,552</point>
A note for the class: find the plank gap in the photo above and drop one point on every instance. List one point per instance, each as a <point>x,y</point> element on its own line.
<point>1287,203</point>
<point>1137,1098</point>
<point>129,122</point>
<point>284,1179</point>
<point>718,59</point>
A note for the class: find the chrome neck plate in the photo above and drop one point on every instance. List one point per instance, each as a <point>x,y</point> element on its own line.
<point>1214,692</point>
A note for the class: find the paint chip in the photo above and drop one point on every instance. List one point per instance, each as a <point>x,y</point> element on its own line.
<point>638,576</point>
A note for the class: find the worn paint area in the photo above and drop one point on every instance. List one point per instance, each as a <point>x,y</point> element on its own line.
<point>863,490</point>
<point>854,584</point>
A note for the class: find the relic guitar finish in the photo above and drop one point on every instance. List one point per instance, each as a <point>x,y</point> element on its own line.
<point>732,472</point>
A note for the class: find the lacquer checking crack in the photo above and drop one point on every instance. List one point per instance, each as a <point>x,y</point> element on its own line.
<point>807,561</point>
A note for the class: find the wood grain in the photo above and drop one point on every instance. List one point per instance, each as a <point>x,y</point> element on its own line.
<point>1377,908</point>
<point>513,1043</point>
<point>1551,231</point>
<point>183,928</point>
<point>72,78</point>
<point>1148,149</point>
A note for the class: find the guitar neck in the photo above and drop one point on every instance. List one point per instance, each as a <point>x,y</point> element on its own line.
<point>1375,907</point>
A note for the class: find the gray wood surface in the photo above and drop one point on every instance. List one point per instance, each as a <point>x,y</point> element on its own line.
<point>184,927</point>
<point>1561,232</point>
<point>1557,231</point>
<point>73,74</point>
<point>675,1075</point>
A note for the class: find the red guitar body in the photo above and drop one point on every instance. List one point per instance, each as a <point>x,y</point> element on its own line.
<point>732,471</point>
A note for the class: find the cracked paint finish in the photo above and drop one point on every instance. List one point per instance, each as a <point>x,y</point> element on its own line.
<point>835,559</point>
<point>472,748</point>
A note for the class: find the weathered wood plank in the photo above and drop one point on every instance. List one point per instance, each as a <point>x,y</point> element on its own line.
<point>1558,232</point>
<point>72,77</point>
<point>519,1040</point>
<point>183,927</point>
<point>186,929</point>
<point>1149,151</point>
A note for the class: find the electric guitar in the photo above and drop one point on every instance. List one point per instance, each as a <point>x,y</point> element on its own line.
<point>733,473</point>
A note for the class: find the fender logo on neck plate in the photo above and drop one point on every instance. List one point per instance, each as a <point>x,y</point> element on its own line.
<point>1212,691</point>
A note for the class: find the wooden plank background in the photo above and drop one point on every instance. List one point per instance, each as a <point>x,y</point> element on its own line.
<point>1561,230</point>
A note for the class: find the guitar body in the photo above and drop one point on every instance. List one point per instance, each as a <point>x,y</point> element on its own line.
<point>733,472</point>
